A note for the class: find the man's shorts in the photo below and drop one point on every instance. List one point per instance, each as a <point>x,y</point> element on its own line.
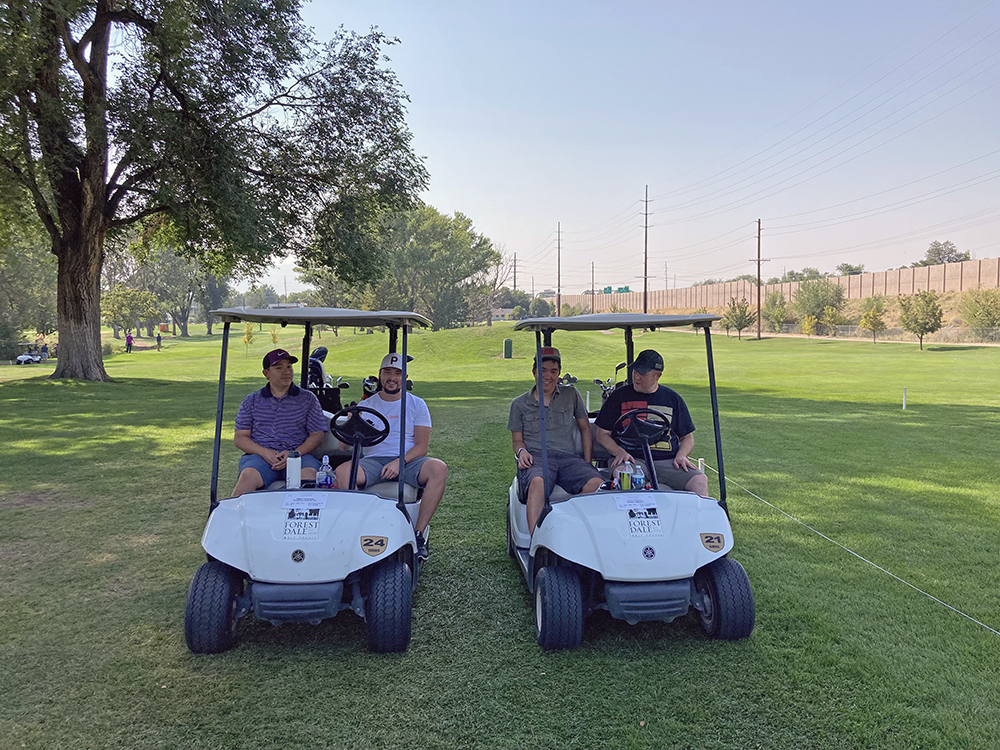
<point>567,470</point>
<point>668,475</point>
<point>253,461</point>
<point>372,467</point>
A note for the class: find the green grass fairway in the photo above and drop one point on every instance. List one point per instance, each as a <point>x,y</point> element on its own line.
<point>104,494</point>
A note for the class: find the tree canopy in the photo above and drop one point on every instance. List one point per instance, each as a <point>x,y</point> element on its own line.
<point>227,117</point>
<point>939,253</point>
<point>921,314</point>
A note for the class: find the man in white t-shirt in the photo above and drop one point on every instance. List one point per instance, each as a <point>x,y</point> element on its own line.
<point>382,461</point>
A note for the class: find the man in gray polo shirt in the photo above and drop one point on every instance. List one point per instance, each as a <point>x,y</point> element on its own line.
<point>565,416</point>
<point>271,422</point>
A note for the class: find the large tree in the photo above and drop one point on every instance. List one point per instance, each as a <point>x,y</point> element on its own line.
<point>225,116</point>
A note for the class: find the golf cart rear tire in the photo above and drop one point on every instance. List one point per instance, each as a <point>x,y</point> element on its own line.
<point>211,613</point>
<point>390,607</point>
<point>729,606</point>
<point>558,608</point>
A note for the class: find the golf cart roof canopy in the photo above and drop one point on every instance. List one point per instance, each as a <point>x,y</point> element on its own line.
<point>604,321</point>
<point>331,316</point>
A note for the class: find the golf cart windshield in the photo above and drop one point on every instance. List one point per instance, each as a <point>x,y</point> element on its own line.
<point>308,317</point>
<point>543,328</point>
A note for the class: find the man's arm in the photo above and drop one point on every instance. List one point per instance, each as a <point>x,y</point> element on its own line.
<point>521,452</point>
<point>421,443</point>
<point>311,443</point>
<point>619,454</point>
<point>587,436</point>
<point>684,447</point>
<point>242,441</point>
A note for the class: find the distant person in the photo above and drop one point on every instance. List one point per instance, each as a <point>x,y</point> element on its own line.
<point>128,343</point>
<point>159,341</point>
<point>674,468</point>
<point>45,352</point>
<point>381,462</point>
<point>271,422</point>
<point>565,416</point>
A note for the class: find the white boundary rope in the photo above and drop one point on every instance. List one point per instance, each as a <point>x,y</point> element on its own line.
<point>957,611</point>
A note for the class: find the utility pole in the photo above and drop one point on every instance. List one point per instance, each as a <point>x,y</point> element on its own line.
<point>592,286</point>
<point>558,269</point>
<point>758,261</point>
<point>645,255</point>
<point>515,272</point>
<point>666,277</point>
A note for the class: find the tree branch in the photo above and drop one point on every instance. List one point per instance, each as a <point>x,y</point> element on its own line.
<point>151,211</point>
<point>286,94</point>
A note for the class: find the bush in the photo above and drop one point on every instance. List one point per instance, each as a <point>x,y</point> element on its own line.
<point>108,349</point>
<point>813,297</point>
<point>981,311</point>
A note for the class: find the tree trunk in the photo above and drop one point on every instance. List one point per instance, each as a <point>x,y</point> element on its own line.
<point>208,324</point>
<point>116,331</point>
<point>79,306</point>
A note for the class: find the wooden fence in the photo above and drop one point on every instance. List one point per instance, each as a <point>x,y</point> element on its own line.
<point>951,277</point>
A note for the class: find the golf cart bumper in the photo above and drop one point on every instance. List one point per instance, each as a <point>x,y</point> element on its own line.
<point>278,603</point>
<point>645,602</point>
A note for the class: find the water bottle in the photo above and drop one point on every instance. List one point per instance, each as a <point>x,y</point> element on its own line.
<point>293,471</point>
<point>324,476</point>
<point>639,477</point>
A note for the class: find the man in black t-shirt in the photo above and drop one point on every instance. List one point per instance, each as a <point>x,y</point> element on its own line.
<point>670,457</point>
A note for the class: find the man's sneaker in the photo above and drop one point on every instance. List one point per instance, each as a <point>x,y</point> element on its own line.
<point>422,553</point>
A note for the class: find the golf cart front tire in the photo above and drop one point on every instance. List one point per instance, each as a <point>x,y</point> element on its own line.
<point>389,609</point>
<point>729,611</point>
<point>211,613</point>
<point>558,608</point>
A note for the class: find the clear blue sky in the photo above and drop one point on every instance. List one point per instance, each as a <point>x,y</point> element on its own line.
<point>857,131</point>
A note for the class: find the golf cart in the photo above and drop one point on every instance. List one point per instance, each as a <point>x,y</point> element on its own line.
<point>29,356</point>
<point>641,554</point>
<point>303,555</point>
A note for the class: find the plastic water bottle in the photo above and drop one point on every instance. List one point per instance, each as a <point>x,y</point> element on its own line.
<point>638,477</point>
<point>324,476</point>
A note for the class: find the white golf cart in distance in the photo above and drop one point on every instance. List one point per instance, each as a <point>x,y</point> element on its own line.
<point>303,555</point>
<point>642,555</point>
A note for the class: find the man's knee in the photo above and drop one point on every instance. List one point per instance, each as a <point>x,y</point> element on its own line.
<point>434,469</point>
<point>698,483</point>
<point>252,477</point>
<point>593,485</point>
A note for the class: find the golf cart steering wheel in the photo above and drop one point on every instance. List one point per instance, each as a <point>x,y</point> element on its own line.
<point>349,426</point>
<point>639,427</point>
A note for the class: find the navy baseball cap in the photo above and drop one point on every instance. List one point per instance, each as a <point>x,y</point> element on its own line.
<point>647,360</point>
<point>277,355</point>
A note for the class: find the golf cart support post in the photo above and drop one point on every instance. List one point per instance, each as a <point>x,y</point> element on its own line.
<point>394,320</point>
<point>543,328</point>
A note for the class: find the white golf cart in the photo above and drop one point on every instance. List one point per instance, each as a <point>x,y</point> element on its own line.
<point>642,555</point>
<point>303,555</point>
<point>29,356</point>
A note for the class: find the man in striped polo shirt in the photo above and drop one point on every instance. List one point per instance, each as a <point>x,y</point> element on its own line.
<point>271,422</point>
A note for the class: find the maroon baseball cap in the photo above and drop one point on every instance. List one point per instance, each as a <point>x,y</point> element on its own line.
<point>276,356</point>
<point>550,353</point>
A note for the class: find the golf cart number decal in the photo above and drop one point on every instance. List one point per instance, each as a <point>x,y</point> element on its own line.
<point>374,545</point>
<point>301,523</point>
<point>713,542</point>
<point>644,522</point>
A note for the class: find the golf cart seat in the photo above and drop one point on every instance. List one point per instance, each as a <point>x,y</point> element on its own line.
<point>390,490</point>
